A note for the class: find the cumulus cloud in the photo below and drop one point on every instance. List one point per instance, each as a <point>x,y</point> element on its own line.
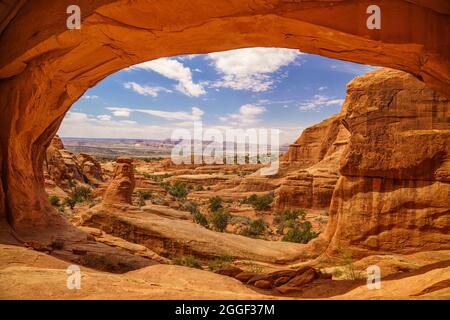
<point>174,70</point>
<point>120,112</point>
<point>318,102</point>
<point>145,90</point>
<point>251,68</point>
<point>248,114</point>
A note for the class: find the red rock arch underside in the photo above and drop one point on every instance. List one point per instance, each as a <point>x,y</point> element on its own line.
<point>45,68</point>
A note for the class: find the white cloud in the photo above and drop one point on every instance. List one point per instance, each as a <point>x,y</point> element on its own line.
<point>251,68</point>
<point>318,102</point>
<point>145,90</point>
<point>195,114</point>
<point>248,114</point>
<point>104,117</point>
<point>322,88</point>
<point>174,70</point>
<point>120,112</point>
<point>90,97</point>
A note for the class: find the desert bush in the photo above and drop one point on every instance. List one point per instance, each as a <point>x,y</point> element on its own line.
<point>220,262</point>
<point>142,196</point>
<point>70,201</point>
<point>288,219</point>
<point>259,203</point>
<point>300,232</point>
<point>146,195</point>
<point>165,254</point>
<point>346,261</point>
<point>81,193</point>
<point>199,188</point>
<point>187,261</point>
<point>78,195</point>
<point>200,219</point>
<point>240,219</point>
<point>57,244</point>
<point>255,229</point>
<point>54,201</point>
<point>294,214</point>
<point>220,219</point>
<point>178,189</point>
<point>215,203</point>
<point>190,206</point>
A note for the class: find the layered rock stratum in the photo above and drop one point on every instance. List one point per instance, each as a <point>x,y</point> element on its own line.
<point>394,190</point>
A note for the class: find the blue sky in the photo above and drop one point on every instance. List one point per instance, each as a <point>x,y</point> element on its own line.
<point>270,88</point>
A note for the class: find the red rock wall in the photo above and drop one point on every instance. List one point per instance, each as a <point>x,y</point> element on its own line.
<point>394,192</point>
<point>314,143</point>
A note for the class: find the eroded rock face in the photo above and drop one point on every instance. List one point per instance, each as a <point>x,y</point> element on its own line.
<point>121,186</point>
<point>314,143</point>
<point>90,167</point>
<point>316,154</point>
<point>64,168</point>
<point>61,165</point>
<point>394,192</point>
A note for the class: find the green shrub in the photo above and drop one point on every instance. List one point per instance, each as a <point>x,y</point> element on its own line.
<point>188,261</point>
<point>54,201</point>
<point>178,190</point>
<point>70,201</point>
<point>288,219</point>
<point>215,203</point>
<point>200,219</point>
<point>57,244</point>
<point>301,233</point>
<point>255,229</point>
<point>220,262</point>
<point>145,195</point>
<point>294,214</point>
<point>190,206</point>
<point>220,219</point>
<point>82,193</point>
<point>241,219</point>
<point>78,195</point>
<point>142,196</point>
<point>346,260</point>
<point>259,203</point>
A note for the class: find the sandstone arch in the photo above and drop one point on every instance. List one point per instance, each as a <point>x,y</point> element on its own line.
<point>44,67</point>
